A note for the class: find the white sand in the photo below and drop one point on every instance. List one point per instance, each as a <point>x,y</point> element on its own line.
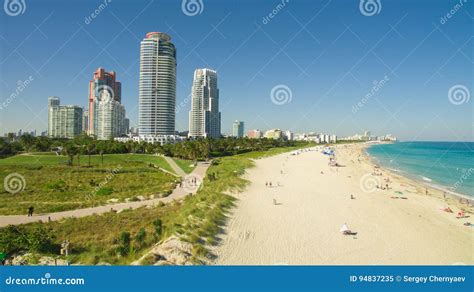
<point>304,228</point>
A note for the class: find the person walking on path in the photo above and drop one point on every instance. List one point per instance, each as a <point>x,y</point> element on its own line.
<point>30,211</point>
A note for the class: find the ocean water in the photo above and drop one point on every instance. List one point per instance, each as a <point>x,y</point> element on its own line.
<point>448,165</point>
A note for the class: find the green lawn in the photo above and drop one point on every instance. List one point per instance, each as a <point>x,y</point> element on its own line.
<point>52,186</point>
<point>186,165</point>
<point>95,160</point>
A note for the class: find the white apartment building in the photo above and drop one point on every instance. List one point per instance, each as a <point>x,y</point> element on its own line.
<point>204,117</point>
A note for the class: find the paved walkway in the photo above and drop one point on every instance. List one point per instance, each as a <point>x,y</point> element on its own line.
<point>174,166</point>
<point>178,193</point>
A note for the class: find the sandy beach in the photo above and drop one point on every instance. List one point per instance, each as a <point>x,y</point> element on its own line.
<point>313,201</point>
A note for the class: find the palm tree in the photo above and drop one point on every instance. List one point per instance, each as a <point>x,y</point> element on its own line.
<point>90,146</point>
<point>101,148</point>
<point>11,137</point>
<point>27,141</point>
<point>70,150</point>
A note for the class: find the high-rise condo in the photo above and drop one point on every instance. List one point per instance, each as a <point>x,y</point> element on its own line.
<point>106,113</point>
<point>238,129</point>
<point>204,117</point>
<point>64,121</point>
<point>157,87</point>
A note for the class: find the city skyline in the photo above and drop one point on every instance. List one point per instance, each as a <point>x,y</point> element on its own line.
<point>327,86</point>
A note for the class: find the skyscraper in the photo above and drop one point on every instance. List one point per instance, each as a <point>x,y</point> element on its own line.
<point>64,121</point>
<point>204,117</point>
<point>238,129</point>
<point>101,81</point>
<point>157,87</point>
<point>110,117</point>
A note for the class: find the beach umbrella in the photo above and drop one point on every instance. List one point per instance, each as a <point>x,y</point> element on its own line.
<point>344,228</point>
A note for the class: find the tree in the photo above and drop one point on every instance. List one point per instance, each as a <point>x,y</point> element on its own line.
<point>11,137</point>
<point>124,243</point>
<point>101,147</point>
<point>70,150</point>
<point>90,147</point>
<point>27,141</point>
<point>158,224</point>
<point>140,237</point>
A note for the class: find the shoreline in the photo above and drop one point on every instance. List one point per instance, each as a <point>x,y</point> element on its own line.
<point>311,200</point>
<point>413,177</point>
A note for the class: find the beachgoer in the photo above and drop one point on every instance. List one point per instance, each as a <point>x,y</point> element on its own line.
<point>30,211</point>
<point>352,197</point>
<point>270,184</point>
<point>266,184</point>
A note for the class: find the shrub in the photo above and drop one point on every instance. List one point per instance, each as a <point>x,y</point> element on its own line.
<point>140,237</point>
<point>124,243</point>
<point>18,238</point>
<point>158,224</point>
<point>104,191</point>
<point>59,185</point>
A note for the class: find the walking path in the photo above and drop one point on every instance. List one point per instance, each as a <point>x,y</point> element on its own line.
<point>178,193</point>
<point>174,166</point>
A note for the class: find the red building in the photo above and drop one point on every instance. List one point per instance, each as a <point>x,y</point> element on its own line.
<point>101,81</point>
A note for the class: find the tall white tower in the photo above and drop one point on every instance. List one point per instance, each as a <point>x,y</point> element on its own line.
<point>204,117</point>
<point>157,88</point>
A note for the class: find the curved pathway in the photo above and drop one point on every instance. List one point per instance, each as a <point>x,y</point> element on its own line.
<point>178,170</point>
<point>178,193</point>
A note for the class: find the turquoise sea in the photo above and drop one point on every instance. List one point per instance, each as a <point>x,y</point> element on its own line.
<point>447,165</point>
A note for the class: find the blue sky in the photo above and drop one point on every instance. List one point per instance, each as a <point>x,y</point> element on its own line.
<point>327,53</point>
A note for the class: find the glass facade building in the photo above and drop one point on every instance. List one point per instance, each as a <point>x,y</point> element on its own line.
<point>157,86</point>
<point>64,121</point>
<point>238,129</point>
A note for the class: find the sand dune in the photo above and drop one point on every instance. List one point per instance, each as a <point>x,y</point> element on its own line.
<point>303,228</point>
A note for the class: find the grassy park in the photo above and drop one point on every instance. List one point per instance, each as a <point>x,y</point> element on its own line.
<point>124,237</point>
<point>51,185</point>
<point>186,165</point>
